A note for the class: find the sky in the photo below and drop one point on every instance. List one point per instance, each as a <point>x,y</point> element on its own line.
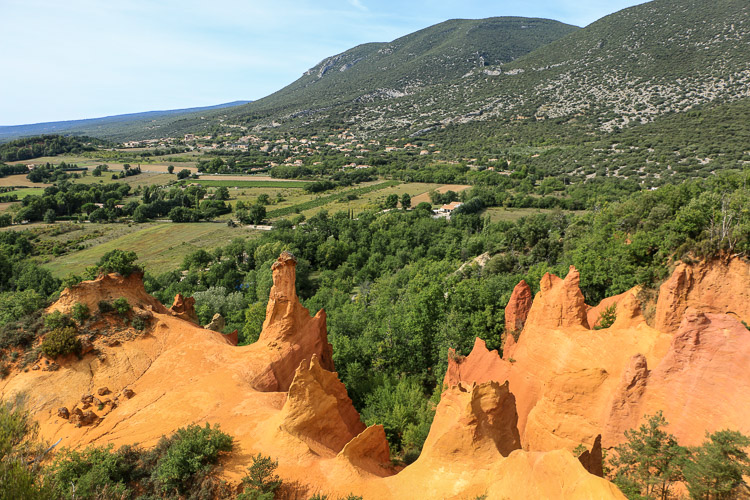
<point>74,59</point>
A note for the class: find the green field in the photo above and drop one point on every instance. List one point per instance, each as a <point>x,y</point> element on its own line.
<point>251,184</point>
<point>160,246</point>
<point>24,192</point>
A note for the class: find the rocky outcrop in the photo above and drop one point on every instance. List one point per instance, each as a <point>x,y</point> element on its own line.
<point>478,421</point>
<point>318,409</point>
<point>369,451</point>
<point>518,308</point>
<point>719,287</point>
<point>184,308</point>
<point>625,408</point>
<point>559,303</point>
<point>593,459</point>
<point>232,338</point>
<point>698,382</point>
<point>554,474</point>
<point>290,336</point>
<point>217,323</point>
<point>481,365</point>
<point>107,288</point>
<point>593,314</point>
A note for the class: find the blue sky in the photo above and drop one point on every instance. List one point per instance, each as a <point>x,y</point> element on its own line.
<point>74,59</point>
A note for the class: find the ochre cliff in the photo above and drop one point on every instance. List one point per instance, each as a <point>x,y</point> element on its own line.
<point>280,397</point>
<point>572,384</point>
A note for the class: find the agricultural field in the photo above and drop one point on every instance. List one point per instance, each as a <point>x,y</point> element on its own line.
<point>457,188</point>
<point>249,182</point>
<point>142,179</point>
<point>497,214</point>
<point>152,165</point>
<point>24,192</point>
<point>160,247</point>
<point>19,180</point>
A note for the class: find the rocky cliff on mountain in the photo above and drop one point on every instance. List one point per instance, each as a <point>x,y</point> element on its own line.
<point>318,409</point>
<point>184,308</point>
<point>107,288</point>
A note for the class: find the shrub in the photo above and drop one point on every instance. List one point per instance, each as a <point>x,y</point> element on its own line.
<point>400,405</point>
<point>61,341</point>
<point>91,473</point>
<point>122,306</point>
<point>261,481</point>
<point>56,321</point>
<point>118,261</point>
<point>80,312</point>
<point>17,446</point>
<point>105,307</point>
<point>189,451</point>
<point>607,318</point>
<point>15,305</point>
<point>139,323</point>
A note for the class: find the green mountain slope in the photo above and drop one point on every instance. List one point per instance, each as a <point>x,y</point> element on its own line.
<point>632,66</point>
<point>440,53</point>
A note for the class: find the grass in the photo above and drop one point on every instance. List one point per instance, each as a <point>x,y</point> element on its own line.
<point>24,192</point>
<point>160,247</point>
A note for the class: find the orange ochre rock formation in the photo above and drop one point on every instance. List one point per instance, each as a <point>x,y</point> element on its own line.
<point>572,384</point>
<point>504,427</point>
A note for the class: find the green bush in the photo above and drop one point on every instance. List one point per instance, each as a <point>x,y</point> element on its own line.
<point>18,446</point>
<point>105,307</point>
<point>57,320</point>
<point>179,466</point>
<point>16,305</point>
<point>189,451</point>
<point>401,407</point>
<point>122,306</point>
<point>61,341</point>
<point>80,312</point>
<point>261,481</point>
<point>91,473</point>
<point>139,323</point>
<point>607,318</point>
<point>118,261</point>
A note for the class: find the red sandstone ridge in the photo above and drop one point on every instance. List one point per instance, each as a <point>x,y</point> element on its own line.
<point>289,334</point>
<point>518,307</point>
